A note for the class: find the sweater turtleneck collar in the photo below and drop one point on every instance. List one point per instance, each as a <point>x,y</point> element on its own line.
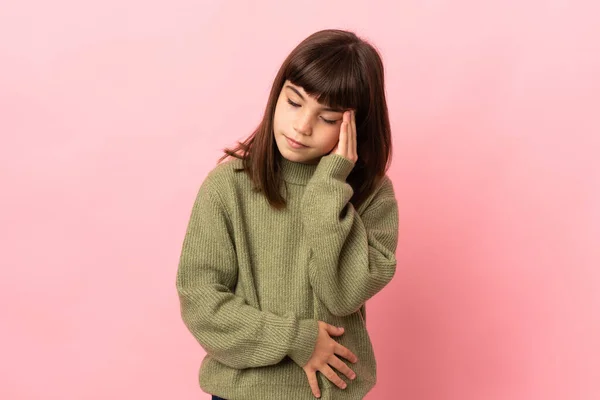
<point>297,172</point>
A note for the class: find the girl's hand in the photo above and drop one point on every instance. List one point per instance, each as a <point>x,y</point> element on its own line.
<point>324,354</point>
<point>346,146</point>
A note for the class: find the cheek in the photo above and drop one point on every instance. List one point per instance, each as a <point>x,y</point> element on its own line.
<point>277,119</point>
<point>332,136</point>
<point>281,117</point>
<point>327,139</point>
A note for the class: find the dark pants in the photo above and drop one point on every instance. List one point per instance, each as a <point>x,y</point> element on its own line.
<point>217,398</point>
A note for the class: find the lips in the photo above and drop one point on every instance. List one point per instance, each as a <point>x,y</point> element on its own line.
<point>295,143</point>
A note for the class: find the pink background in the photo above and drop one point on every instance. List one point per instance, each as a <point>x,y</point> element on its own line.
<point>112,113</point>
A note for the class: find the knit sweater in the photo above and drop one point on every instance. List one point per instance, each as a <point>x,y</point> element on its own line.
<point>253,281</point>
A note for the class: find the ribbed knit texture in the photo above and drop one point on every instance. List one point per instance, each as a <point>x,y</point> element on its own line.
<point>254,281</point>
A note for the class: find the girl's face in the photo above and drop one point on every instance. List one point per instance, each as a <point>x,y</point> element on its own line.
<point>300,118</point>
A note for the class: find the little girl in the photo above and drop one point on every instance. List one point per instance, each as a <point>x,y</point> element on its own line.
<point>293,233</point>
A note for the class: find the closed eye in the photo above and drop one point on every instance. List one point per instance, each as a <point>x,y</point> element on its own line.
<point>292,103</point>
<point>330,122</point>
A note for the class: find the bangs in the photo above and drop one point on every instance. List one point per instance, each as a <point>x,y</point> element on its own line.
<point>332,77</point>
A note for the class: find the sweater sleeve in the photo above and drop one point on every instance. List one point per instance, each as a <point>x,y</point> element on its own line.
<point>351,256</point>
<point>230,330</point>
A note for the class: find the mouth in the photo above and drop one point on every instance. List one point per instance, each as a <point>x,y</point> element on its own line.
<point>295,144</point>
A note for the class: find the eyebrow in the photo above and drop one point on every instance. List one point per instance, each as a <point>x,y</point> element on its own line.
<point>322,108</point>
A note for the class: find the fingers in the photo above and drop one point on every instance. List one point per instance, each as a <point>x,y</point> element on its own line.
<point>342,146</point>
<point>346,145</point>
<point>334,330</point>
<point>347,354</point>
<point>339,349</point>
<point>347,141</point>
<point>340,366</point>
<point>352,137</point>
<point>332,376</point>
<point>313,382</point>
<point>325,356</point>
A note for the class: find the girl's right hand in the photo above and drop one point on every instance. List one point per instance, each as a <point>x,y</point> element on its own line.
<point>324,354</point>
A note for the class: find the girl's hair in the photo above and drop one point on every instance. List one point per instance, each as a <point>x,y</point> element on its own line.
<point>341,71</point>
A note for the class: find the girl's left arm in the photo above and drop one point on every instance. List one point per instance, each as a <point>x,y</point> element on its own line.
<point>351,256</point>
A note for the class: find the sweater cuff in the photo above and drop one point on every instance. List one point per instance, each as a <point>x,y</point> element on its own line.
<point>305,341</point>
<point>334,165</point>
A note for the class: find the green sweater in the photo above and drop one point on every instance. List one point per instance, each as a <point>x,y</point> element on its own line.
<point>253,281</point>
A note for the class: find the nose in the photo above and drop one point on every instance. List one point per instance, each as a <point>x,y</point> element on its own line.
<point>302,124</point>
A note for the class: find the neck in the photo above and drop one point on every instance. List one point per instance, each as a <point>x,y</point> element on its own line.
<point>297,172</point>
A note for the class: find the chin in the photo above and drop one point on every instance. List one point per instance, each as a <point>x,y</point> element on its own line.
<point>290,155</point>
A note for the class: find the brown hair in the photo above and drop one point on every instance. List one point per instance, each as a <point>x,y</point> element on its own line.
<point>341,71</point>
